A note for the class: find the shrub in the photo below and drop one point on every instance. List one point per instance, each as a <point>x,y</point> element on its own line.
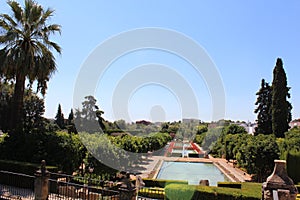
<point>22,167</point>
<point>248,191</point>
<point>153,193</point>
<point>230,185</point>
<point>161,183</point>
<point>293,163</point>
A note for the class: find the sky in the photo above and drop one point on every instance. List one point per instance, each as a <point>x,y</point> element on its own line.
<point>242,39</point>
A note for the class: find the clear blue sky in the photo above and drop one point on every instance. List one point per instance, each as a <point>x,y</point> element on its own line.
<point>243,38</point>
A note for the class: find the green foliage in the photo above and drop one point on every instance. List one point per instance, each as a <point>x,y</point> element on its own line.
<point>281,108</point>
<point>249,191</point>
<point>6,91</point>
<point>233,129</point>
<point>263,110</point>
<point>135,144</point>
<point>257,155</point>
<point>291,142</point>
<point>293,163</point>
<point>211,138</point>
<point>201,129</point>
<point>70,123</point>
<point>152,193</point>
<point>22,167</point>
<point>199,138</point>
<point>58,149</point>
<point>122,152</point>
<point>232,144</point>
<point>34,109</point>
<point>160,183</point>
<point>89,119</point>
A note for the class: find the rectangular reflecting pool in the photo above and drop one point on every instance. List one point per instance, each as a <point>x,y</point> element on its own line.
<point>191,172</point>
<point>180,151</point>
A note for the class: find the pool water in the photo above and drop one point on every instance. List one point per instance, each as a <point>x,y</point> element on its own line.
<point>180,151</point>
<point>191,172</point>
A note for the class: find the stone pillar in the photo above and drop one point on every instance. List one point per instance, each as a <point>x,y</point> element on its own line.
<point>41,183</point>
<point>278,185</point>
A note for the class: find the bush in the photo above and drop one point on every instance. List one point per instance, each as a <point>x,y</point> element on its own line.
<point>161,183</point>
<point>17,178</point>
<point>153,193</point>
<point>58,149</point>
<point>22,167</point>
<point>248,191</point>
<point>293,163</point>
<point>230,185</point>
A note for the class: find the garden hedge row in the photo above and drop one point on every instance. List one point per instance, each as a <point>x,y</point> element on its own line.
<point>161,183</point>
<point>22,167</point>
<point>249,191</point>
<point>293,163</point>
<point>230,185</point>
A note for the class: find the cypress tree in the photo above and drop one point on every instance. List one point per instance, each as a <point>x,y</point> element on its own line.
<point>263,110</point>
<point>281,108</point>
<point>71,117</point>
<point>59,118</point>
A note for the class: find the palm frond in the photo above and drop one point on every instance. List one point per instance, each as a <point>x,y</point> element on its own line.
<point>17,10</point>
<point>9,19</point>
<point>35,14</point>
<point>46,15</point>
<point>55,46</point>
<point>53,28</point>
<point>4,26</point>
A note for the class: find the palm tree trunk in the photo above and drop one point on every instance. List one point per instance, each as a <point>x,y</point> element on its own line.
<point>16,118</point>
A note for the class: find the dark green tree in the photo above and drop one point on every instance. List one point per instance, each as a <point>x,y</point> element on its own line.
<point>59,118</point>
<point>71,117</point>
<point>6,91</point>
<point>233,129</point>
<point>263,110</point>
<point>34,109</point>
<point>25,52</point>
<point>281,108</point>
<point>71,123</point>
<point>90,117</point>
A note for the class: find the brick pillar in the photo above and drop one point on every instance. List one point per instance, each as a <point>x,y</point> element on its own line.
<point>41,183</point>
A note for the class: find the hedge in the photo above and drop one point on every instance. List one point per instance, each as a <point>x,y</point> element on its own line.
<point>230,185</point>
<point>160,183</point>
<point>23,173</point>
<point>293,163</point>
<point>249,191</point>
<point>22,167</point>
<point>153,193</point>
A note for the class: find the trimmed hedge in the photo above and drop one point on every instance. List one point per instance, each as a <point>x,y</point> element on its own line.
<point>293,163</point>
<point>230,185</point>
<point>153,193</point>
<point>249,191</point>
<point>160,183</point>
<point>22,167</point>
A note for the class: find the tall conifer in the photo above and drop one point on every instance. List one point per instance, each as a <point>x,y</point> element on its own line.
<point>281,108</point>
<point>263,110</point>
<point>59,118</point>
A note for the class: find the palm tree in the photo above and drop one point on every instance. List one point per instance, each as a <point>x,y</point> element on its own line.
<point>25,52</point>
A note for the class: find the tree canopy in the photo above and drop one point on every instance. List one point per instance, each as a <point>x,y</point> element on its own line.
<point>25,52</point>
<point>263,110</point>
